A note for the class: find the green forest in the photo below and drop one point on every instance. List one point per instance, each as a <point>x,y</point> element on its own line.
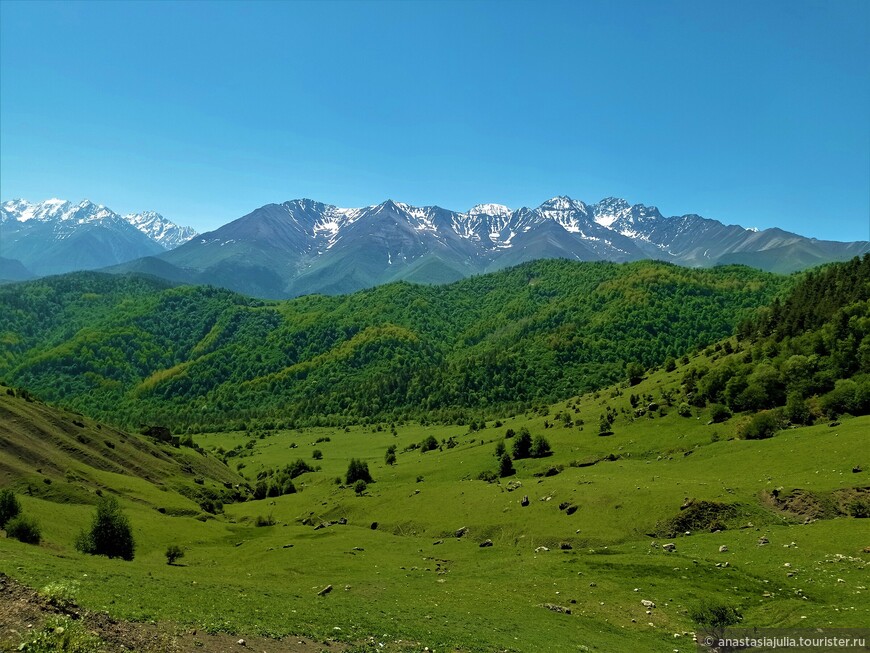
<point>136,351</point>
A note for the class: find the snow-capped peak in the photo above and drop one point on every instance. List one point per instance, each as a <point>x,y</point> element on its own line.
<point>490,209</point>
<point>62,212</point>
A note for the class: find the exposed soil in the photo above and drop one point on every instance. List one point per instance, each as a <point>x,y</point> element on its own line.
<point>23,610</point>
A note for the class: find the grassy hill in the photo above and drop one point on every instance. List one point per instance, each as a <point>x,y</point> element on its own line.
<point>135,351</point>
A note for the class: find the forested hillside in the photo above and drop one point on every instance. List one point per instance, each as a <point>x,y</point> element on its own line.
<point>135,351</point>
<point>808,354</point>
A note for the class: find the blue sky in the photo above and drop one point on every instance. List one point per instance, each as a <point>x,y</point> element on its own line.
<point>754,113</point>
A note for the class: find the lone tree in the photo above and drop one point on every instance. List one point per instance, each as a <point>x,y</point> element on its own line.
<point>357,470</point>
<point>390,456</point>
<point>173,553</point>
<point>9,506</point>
<point>522,444</point>
<point>359,487</point>
<point>505,466</point>
<point>110,533</point>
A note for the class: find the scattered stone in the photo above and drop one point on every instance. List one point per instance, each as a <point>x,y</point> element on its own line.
<point>374,526</point>
<point>723,548</point>
<point>525,501</point>
<point>326,590</point>
<point>242,642</point>
<point>593,584</point>
<point>541,549</point>
<point>557,608</point>
<point>436,542</point>
<point>647,604</point>
<point>763,540</point>
<point>486,543</point>
<point>670,546</point>
<point>462,531</point>
<point>570,510</point>
<point>565,546</point>
<point>287,546</point>
<point>857,469</point>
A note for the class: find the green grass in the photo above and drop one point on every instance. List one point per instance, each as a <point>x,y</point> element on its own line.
<point>412,580</point>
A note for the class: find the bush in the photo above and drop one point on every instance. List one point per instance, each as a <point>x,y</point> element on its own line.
<point>110,533</point>
<point>297,468</point>
<point>522,446</point>
<point>357,470</point>
<point>359,487</point>
<point>61,634</point>
<point>500,449</point>
<point>429,443</point>
<point>540,447</point>
<point>761,426</point>
<point>24,529</point>
<point>9,506</point>
<point>317,454</point>
<point>715,615</point>
<point>61,594</point>
<point>173,553</point>
<point>719,413</point>
<point>261,521</point>
<point>684,410</point>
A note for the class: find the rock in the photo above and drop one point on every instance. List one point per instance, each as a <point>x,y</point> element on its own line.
<point>670,546</point>
<point>565,546</point>
<point>541,549</point>
<point>374,526</point>
<point>462,531</point>
<point>287,546</point>
<point>242,642</point>
<point>647,604</point>
<point>723,548</point>
<point>436,542</point>
<point>570,510</point>
<point>525,501</point>
<point>857,469</point>
<point>486,543</point>
<point>326,590</point>
<point>342,521</point>
<point>763,540</point>
<point>557,608</point>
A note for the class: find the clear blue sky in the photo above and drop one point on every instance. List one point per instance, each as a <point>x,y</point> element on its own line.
<point>754,113</point>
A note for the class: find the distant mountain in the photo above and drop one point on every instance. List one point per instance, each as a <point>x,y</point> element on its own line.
<point>302,246</point>
<point>57,236</point>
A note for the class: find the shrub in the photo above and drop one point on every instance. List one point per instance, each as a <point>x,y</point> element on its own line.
<point>522,446</point>
<point>357,470</point>
<point>390,456</point>
<point>488,475</point>
<point>761,426</point>
<point>684,410</point>
<point>173,553</point>
<point>61,594</point>
<point>860,508</point>
<point>24,529</point>
<point>110,533</point>
<point>540,447</point>
<point>9,506</point>
<point>359,487</point>
<point>500,449</point>
<point>505,466</point>
<point>429,443</point>
<point>634,372</point>
<point>297,468</point>
<point>715,615</point>
<point>604,426</point>
<point>719,413</point>
<point>61,634</point>
<point>261,521</point>
<point>317,454</point>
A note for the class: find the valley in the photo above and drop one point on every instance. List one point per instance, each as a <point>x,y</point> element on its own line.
<point>727,480</point>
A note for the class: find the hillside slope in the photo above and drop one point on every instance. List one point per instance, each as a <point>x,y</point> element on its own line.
<point>135,351</point>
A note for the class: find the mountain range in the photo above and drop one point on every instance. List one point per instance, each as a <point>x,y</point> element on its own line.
<point>57,236</point>
<point>303,247</point>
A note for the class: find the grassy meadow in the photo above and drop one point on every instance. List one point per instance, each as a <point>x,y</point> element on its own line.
<point>401,577</point>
